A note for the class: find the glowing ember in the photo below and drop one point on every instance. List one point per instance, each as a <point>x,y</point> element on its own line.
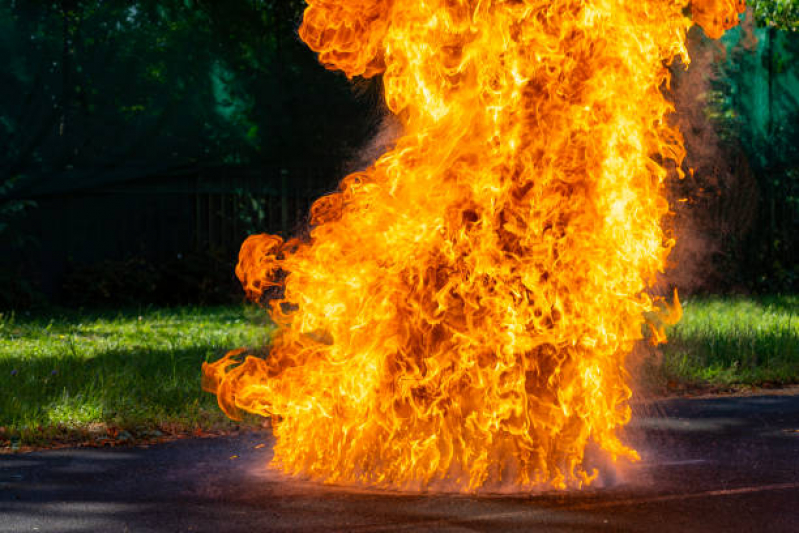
<point>462,310</point>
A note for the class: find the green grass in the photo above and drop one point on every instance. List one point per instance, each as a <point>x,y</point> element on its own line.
<point>66,375</point>
<point>735,340</point>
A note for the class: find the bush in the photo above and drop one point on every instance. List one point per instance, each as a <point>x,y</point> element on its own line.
<point>17,293</point>
<point>131,281</point>
<point>203,278</point>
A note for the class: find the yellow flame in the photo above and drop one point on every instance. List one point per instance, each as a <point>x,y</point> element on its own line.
<point>462,310</point>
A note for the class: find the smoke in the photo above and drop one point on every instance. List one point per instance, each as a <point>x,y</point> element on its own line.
<point>715,204</point>
<point>388,130</point>
<point>386,126</point>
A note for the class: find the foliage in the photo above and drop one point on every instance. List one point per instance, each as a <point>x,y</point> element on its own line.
<point>735,340</point>
<point>754,107</point>
<point>16,292</point>
<point>204,278</point>
<point>11,208</point>
<point>152,84</point>
<point>126,282</point>
<point>68,376</point>
<point>780,14</point>
<point>97,94</point>
<point>95,91</point>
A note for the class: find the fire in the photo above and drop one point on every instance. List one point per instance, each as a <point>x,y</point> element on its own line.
<point>462,310</point>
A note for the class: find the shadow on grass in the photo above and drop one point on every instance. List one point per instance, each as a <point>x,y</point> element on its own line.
<point>736,340</point>
<point>130,388</point>
<point>744,357</point>
<point>786,305</point>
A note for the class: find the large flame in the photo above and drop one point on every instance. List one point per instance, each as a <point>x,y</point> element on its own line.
<point>462,310</point>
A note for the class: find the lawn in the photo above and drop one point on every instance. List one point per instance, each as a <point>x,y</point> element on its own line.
<point>115,376</point>
<point>735,340</point>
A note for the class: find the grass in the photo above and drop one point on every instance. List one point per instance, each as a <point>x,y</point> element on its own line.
<point>735,340</point>
<point>71,376</point>
<point>74,377</point>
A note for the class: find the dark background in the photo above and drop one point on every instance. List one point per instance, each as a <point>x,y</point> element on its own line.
<point>143,140</point>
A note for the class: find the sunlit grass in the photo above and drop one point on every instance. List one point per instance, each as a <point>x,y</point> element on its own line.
<point>63,374</point>
<point>735,340</point>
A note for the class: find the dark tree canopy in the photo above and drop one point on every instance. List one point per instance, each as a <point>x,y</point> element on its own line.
<point>94,88</point>
<point>106,92</point>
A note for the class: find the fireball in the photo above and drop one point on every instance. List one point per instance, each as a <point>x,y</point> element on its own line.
<point>461,312</point>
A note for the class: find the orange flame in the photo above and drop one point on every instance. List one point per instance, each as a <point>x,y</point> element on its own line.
<point>462,310</point>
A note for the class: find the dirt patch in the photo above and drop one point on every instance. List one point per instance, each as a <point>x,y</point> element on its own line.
<point>103,436</point>
<point>704,390</point>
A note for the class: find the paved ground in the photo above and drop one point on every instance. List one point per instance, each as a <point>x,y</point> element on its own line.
<point>725,464</point>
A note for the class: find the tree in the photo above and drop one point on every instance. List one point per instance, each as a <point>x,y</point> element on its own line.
<point>779,14</point>
<point>755,106</point>
<point>146,85</point>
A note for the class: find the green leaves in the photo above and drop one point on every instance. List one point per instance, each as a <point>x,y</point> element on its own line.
<point>10,208</point>
<point>780,14</point>
<point>153,84</point>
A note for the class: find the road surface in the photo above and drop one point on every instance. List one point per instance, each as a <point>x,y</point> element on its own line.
<point>721,464</point>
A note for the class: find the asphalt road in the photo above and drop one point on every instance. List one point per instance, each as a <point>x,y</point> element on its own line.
<point>724,464</point>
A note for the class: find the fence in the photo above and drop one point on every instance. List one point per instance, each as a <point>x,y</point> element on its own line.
<point>163,216</point>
